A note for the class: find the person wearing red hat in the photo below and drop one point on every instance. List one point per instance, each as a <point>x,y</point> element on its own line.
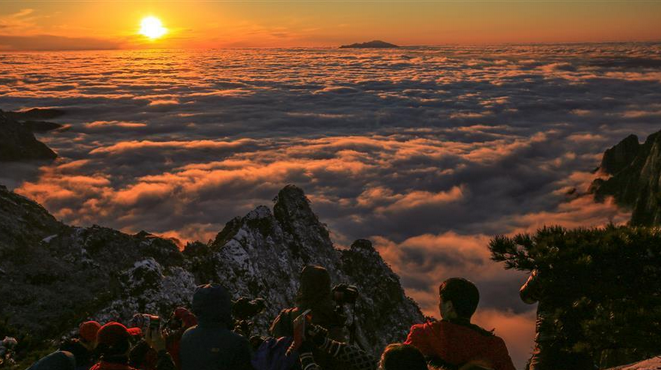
<point>180,320</point>
<point>114,346</point>
<point>83,347</point>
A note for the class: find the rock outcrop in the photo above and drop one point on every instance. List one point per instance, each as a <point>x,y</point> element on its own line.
<point>635,178</point>
<point>650,364</point>
<point>17,141</point>
<point>34,118</point>
<point>55,276</point>
<point>376,44</point>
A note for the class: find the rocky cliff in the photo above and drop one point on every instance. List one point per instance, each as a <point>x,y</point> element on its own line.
<point>17,141</point>
<point>634,178</point>
<point>54,275</point>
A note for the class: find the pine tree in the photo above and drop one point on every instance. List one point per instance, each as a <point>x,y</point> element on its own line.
<point>603,283</point>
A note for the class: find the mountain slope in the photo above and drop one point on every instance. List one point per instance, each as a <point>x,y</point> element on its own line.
<point>55,276</point>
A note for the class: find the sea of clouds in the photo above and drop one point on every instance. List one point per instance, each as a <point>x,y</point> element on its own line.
<point>429,152</point>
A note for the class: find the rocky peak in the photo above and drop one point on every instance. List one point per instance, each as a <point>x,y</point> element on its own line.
<point>636,178</point>
<point>65,275</point>
<point>382,302</point>
<point>362,246</point>
<point>621,155</point>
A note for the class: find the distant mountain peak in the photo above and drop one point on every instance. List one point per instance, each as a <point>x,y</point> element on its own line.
<point>375,44</point>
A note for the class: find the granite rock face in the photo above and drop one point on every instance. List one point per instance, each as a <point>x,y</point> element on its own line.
<point>634,180</point>
<point>55,276</point>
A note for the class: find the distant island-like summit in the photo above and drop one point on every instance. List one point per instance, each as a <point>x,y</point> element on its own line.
<point>376,44</point>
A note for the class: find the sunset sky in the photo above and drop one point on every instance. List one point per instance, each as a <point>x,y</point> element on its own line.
<point>56,25</point>
<point>429,152</point>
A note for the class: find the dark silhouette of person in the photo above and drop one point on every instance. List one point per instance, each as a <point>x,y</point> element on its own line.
<point>211,344</point>
<point>398,356</point>
<point>550,351</point>
<point>83,347</point>
<point>314,294</point>
<point>59,360</point>
<point>454,341</point>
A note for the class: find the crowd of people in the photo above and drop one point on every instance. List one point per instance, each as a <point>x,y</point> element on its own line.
<point>309,336</point>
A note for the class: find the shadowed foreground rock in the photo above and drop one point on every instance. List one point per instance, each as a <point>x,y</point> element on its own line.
<point>17,142</point>
<point>55,276</point>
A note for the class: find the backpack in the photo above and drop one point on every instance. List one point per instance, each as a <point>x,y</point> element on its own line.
<point>272,355</point>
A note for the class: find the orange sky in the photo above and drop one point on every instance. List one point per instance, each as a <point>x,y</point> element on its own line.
<point>207,24</point>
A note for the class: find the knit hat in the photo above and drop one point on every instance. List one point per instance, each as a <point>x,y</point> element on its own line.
<point>113,332</point>
<point>187,318</point>
<point>88,330</point>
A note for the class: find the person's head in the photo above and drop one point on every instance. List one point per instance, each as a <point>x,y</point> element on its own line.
<point>315,286</point>
<point>213,303</point>
<point>458,299</point>
<point>87,332</point>
<point>181,319</point>
<point>114,340</point>
<point>60,360</point>
<point>400,356</point>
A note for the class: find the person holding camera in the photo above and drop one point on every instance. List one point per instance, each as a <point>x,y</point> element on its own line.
<point>314,294</point>
<point>180,321</point>
<point>454,341</point>
<point>314,337</point>
<point>211,344</point>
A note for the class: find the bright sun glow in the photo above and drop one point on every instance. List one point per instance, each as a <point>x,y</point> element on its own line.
<point>152,28</point>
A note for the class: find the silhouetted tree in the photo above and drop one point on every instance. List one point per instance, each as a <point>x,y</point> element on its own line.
<point>604,285</point>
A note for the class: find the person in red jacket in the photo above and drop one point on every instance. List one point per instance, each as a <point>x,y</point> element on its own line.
<point>454,341</point>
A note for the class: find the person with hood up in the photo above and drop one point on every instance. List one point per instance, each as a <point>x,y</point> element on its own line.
<point>454,341</point>
<point>211,344</point>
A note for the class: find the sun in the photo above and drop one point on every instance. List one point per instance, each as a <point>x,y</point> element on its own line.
<point>152,28</point>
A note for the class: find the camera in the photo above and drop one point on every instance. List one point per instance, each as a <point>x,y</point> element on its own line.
<point>245,308</point>
<point>145,322</point>
<point>345,294</point>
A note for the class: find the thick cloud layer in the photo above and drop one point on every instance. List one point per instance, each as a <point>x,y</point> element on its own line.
<point>427,151</point>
